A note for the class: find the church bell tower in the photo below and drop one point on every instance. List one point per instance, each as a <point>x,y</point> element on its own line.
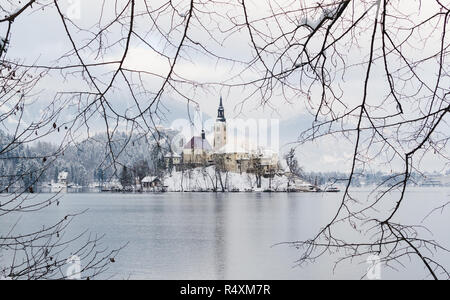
<point>220,128</point>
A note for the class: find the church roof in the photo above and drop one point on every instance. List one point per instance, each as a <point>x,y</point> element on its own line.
<point>221,112</point>
<point>198,143</point>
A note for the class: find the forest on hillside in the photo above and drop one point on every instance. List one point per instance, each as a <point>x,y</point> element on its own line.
<point>86,162</point>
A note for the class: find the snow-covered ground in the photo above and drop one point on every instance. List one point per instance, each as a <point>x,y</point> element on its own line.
<point>205,179</point>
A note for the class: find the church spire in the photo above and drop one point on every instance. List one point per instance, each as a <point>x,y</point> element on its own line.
<point>221,112</point>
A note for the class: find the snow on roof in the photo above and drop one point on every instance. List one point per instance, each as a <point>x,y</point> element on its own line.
<point>172,155</point>
<point>149,179</point>
<point>266,152</point>
<point>231,148</point>
<point>197,142</point>
<point>63,175</point>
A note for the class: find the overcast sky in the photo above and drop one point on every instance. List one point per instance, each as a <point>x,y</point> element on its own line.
<point>39,38</point>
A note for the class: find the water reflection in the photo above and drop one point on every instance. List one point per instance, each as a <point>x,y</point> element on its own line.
<point>210,236</point>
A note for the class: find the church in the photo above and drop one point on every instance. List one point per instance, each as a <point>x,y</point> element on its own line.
<point>228,156</point>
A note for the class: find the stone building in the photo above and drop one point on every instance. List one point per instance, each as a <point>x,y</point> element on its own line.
<point>197,152</point>
<point>226,155</point>
<point>173,160</point>
<point>233,158</point>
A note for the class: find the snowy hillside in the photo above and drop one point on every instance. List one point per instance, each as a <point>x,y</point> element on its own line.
<point>205,179</point>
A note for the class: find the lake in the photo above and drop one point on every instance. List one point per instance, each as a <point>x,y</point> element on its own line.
<point>226,236</point>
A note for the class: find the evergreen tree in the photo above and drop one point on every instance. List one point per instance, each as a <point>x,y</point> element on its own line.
<point>141,169</point>
<point>3,179</point>
<point>126,177</point>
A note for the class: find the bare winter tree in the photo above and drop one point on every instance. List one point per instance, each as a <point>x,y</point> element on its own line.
<point>221,173</point>
<point>373,73</point>
<point>397,118</point>
<point>43,252</point>
<point>292,163</point>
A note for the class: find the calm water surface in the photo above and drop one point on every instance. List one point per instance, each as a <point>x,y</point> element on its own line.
<point>225,236</point>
